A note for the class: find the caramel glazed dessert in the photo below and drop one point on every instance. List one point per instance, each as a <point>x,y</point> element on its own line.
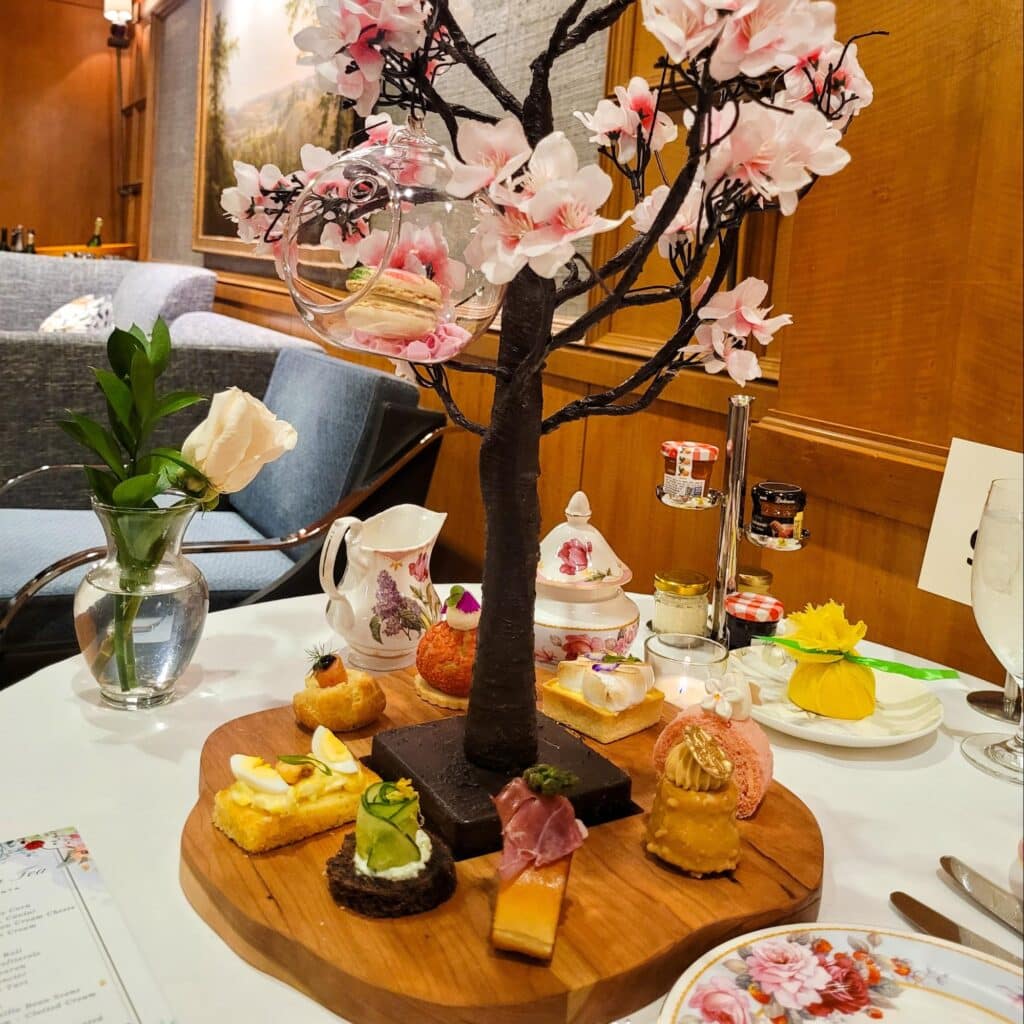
<point>693,820</point>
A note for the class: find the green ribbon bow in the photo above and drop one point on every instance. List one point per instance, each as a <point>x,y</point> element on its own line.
<point>896,667</point>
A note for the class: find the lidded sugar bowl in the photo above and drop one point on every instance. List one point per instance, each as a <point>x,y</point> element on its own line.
<point>581,607</point>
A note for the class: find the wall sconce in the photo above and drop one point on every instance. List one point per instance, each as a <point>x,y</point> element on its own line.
<point>119,13</point>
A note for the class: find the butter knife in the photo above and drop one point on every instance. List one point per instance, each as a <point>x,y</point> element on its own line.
<point>933,923</point>
<point>989,896</point>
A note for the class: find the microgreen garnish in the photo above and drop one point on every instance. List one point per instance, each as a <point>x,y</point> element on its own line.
<point>547,780</point>
<point>321,657</point>
<point>305,759</point>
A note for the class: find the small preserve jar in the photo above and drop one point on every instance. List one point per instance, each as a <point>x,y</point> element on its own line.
<point>681,602</point>
<point>750,615</point>
<point>778,513</point>
<point>754,580</point>
<point>688,468</point>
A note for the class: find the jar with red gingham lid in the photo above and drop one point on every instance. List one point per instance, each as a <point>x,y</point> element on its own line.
<point>750,615</point>
<point>688,468</point>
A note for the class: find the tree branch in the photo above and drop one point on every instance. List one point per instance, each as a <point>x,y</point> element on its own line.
<point>433,377</point>
<point>645,243</point>
<point>466,53</point>
<point>538,106</point>
<point>664,361</point>
<point>596,21</point>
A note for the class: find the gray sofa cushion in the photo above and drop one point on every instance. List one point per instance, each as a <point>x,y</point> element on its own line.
<point>32,539</point>
<point>32,287</point>
<point>167,290</point>
<point>337,409</point>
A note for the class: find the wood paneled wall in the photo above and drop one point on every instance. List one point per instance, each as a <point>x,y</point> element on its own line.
<point>903,275</point>
<point>57,118</point>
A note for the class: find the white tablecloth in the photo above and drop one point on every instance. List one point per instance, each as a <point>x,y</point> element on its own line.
<point>128,781</point>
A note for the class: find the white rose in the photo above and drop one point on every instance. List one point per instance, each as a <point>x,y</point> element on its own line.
<point>238,437</point>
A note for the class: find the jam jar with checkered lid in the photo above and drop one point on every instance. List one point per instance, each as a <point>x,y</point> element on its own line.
<point>687,479</point>
<point>751,615</point>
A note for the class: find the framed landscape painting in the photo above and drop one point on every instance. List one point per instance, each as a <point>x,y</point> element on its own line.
<point>255,104</point>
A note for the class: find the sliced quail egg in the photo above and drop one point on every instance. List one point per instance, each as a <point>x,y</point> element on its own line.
<point>257,774</point>
<point>328,748</point>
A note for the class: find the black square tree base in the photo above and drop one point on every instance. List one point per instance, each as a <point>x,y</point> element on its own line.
<point>455,796</point>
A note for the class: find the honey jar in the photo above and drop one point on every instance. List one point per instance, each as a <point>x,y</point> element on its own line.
<point>681,602</point>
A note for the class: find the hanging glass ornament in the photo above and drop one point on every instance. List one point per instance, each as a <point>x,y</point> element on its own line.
<point>373,252</point>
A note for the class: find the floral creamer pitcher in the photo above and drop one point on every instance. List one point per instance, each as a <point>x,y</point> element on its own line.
<point>386,599</point>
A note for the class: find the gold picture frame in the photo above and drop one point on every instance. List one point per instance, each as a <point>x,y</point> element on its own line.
<point>271,108</point>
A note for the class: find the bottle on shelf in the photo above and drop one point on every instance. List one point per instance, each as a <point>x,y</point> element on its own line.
<point>30,240</point>
<point>18,239</point>
<point>97,238</point>
<point>5,246</point>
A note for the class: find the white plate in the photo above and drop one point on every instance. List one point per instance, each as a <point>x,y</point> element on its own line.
<point>905,709</point>
<point>837,973</point>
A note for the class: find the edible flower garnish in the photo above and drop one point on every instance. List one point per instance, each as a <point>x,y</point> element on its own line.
<point>547,780</point>
<point>461,598</point>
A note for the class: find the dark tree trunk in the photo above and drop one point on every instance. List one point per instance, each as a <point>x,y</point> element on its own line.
<point>501,725</point>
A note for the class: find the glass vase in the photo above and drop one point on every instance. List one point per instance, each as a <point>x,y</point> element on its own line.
<point>140,612</point>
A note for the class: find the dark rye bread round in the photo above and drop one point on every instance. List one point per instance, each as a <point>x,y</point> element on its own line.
<point>379,897</point>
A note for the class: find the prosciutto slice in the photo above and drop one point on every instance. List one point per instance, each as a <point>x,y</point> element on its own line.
<point>537,830</point>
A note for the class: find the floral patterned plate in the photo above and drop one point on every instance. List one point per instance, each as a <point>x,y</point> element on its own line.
<point>839,973</point>
<point>906,709</point>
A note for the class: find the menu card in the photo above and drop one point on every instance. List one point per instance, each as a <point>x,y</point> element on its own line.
<point>66,956</point>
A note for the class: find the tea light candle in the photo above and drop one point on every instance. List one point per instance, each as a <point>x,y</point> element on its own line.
<point>683,664</point>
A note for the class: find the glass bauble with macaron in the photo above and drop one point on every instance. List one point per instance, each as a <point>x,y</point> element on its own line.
<point>373,251</point>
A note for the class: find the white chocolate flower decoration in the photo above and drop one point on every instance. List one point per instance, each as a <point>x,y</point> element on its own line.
<point>729,698</point>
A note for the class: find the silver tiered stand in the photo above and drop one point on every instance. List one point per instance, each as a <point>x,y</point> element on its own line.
<point>731,527</point>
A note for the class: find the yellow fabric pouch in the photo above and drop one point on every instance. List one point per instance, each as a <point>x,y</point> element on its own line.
<point>826,683</point>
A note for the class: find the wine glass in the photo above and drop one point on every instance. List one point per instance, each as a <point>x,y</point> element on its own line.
<point>998,600</point>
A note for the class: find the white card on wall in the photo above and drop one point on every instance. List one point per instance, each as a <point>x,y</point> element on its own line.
<point>970,469</point>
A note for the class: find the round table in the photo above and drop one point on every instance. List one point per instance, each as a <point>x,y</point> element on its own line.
<point>128,781</point>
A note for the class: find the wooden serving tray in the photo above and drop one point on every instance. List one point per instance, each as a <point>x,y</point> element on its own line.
<point>630,924</point>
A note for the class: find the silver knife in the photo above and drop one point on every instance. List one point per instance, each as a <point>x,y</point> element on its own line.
<point>989,896</point>
<point>933,923</point>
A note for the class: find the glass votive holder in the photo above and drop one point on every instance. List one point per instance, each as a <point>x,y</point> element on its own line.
<point>683,663</point>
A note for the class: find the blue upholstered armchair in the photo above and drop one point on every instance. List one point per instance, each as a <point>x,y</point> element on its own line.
<point>363,445</point>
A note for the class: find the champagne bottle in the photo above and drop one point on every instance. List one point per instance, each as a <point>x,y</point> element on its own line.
<point>4,244</point>
<point>30,241</point>
<point>18,239</point>
<point>96,237</point>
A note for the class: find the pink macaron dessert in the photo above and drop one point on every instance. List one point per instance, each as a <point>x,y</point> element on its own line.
<point>725,714</point>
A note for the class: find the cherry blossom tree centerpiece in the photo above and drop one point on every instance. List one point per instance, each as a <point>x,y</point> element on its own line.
<point>767,93</point>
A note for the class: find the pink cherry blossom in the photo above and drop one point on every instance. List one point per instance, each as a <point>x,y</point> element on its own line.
<point>719,1001</point>
<point>717,351</point>
<point>490,153</point>
<point>833,80</point>
<point>685,27</point>
<point>444,342</point>
<point>562,200</point>
<point>682,224</point>
<point>761,35</point>
<point>247,205</point>
<point>421,249</point>
<point>623,120</point>
<point>379,128</point>
<point>738,312</point>
<point>612,124</point>
<point>787,971</point>
<point>657,127</point>
<point>345,47</point>
<point>495,246</point>
<point>777,153</point>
